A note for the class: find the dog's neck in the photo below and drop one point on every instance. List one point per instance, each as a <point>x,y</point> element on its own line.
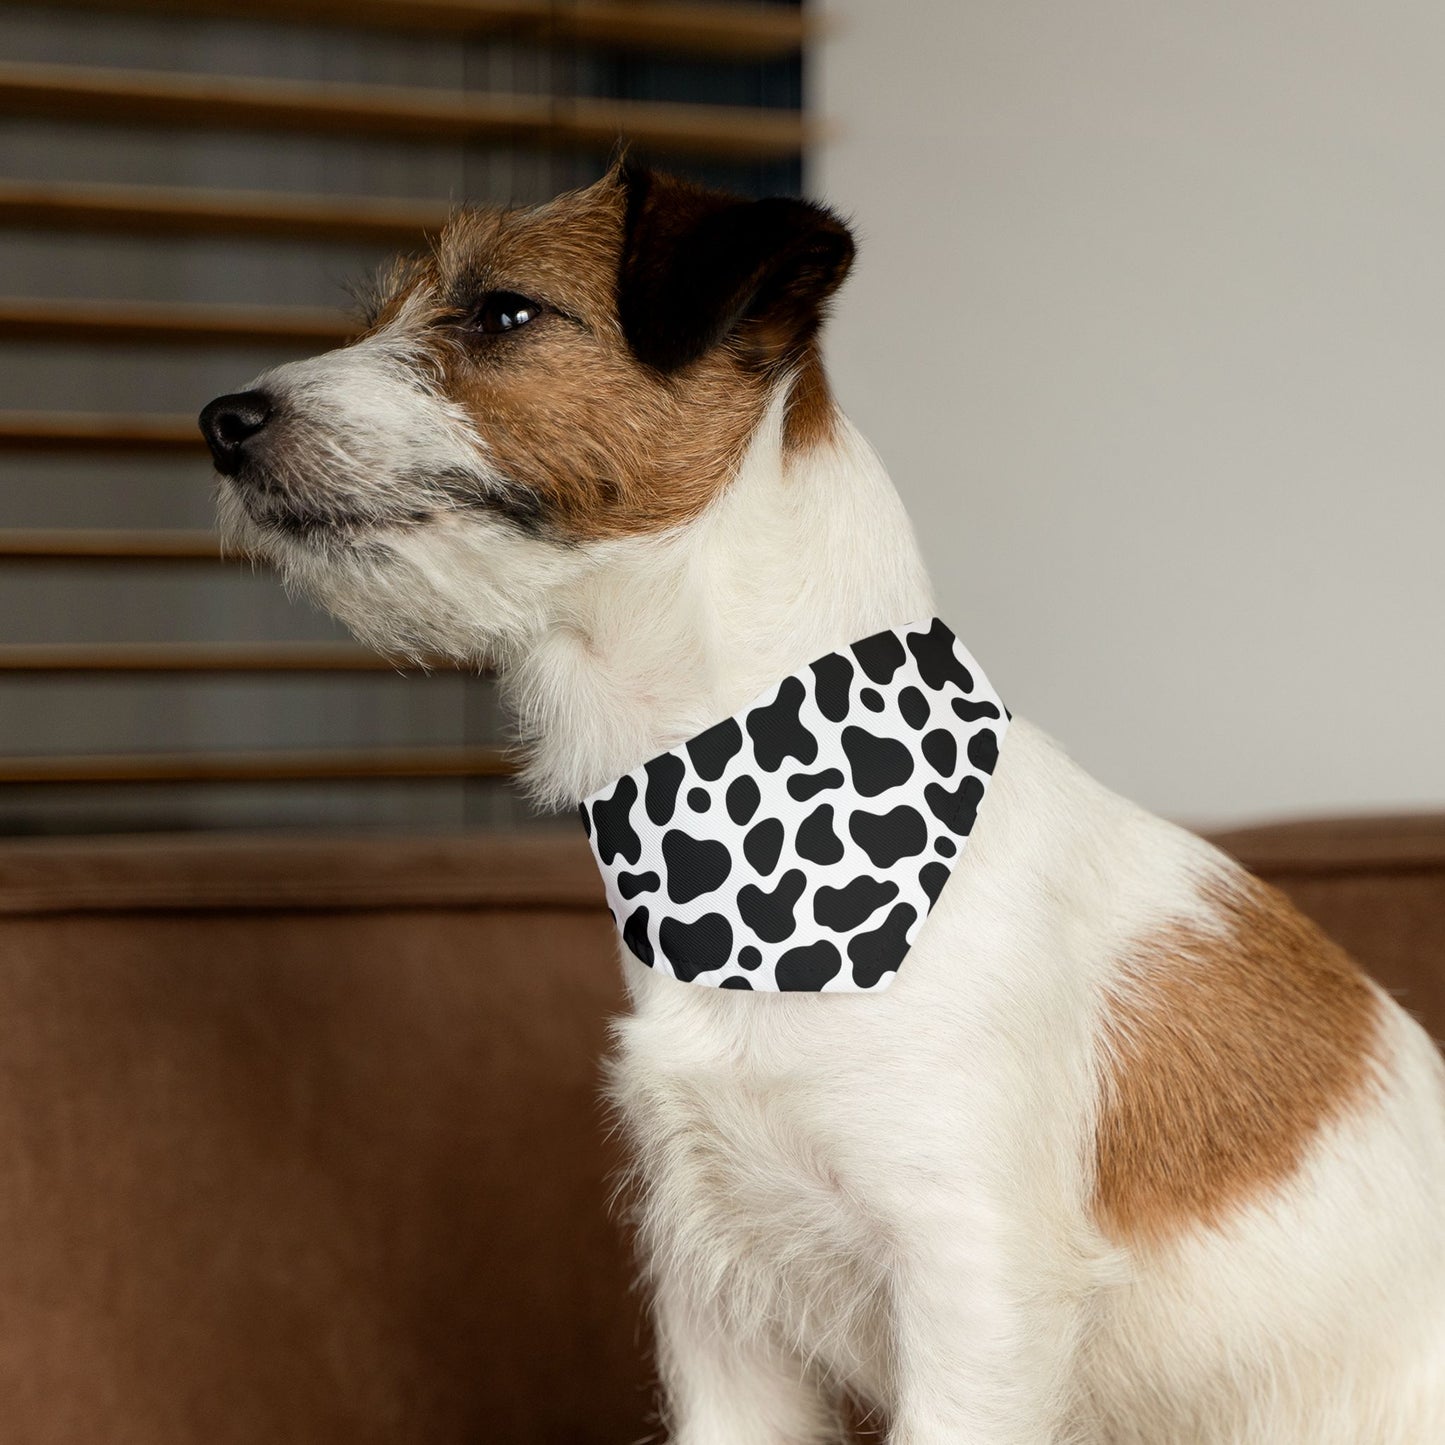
<point>804,552</point>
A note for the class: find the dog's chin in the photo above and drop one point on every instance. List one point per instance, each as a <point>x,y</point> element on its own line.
<point>459,586</point>
<point>337,559</point>
<point>260,516</point>
<point>240,533</point>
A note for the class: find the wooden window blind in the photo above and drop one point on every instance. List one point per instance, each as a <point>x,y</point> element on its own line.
<point>186,186</point>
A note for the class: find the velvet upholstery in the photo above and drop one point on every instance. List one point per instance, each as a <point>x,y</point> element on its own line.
<point>300,1138</point>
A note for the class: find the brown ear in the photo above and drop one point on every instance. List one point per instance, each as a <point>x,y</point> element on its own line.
<point>699,266</point>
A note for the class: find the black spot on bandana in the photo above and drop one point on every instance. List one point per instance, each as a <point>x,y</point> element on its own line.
<point>846,908</point>
<point>957,809</point>
<point>880,655</point>
<point>664,777</point>
<point>803,786</point>
<point>770,915</point>
<point>877,763</point>
<point>763,846</point>
<point>629,885</point>
<point>743,799</point>
<point>612,817</point>
<point>776,731</point>
<point>914,707</point>
<point>983,750</point>
<point>634,935</point>
<point>713,750</point>
<point>872,699</point>
<point>834,674</point>
<point>694,866</point>
<point>877,952</point>
<point>940,747</point>
<point>816,841</point>
<point>932,877</point>
<point>945,847</point>
<point>971,711</point>
<point>749,956</point>
<point>887,837</point>
<point>807,969</point>
<point>586,819</point>
<point>694,948</point>
<point>736,982</point>
<point>699,799</point>
<point>938,663</point>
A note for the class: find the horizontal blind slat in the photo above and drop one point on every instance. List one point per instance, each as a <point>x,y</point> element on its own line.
<point>219,102</point>
<point>192,657</point>
<point>98,432</point>
<point>89,544</point>
<point>177,211</point>
<point>272,766</point>
<point>707,28</point>
<point>171,323</point>
<point>84,431</point>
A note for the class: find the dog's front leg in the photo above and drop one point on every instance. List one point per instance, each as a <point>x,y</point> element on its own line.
<point>724,1387</point>
<point>985,1341</point>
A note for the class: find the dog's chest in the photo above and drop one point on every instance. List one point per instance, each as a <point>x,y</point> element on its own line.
<point>746,1183</point>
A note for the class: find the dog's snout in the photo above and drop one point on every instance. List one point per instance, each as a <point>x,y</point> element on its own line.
<point>229,422</point>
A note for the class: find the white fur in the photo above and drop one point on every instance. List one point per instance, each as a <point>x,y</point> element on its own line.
<point>890,1195</point>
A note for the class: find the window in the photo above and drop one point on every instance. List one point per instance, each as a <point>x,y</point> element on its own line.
<point>185,193</point>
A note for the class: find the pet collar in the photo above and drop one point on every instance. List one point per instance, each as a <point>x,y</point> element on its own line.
<point>800,844</point>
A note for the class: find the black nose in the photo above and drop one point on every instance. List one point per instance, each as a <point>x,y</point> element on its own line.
<point>229,422</point>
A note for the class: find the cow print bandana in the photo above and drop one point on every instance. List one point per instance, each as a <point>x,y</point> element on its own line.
<point>799,845</point>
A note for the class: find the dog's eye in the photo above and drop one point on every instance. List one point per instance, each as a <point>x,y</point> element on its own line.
<point>504,311</point>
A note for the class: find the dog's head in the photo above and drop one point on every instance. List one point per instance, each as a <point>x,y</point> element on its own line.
<point>544,383</point>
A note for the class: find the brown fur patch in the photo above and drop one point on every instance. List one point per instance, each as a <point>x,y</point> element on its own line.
<point>812,415</point>
<point>604,445</point>
<point>1227,1052</point>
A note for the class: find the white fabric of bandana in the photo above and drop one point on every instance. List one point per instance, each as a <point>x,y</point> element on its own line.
<point>800,844</point>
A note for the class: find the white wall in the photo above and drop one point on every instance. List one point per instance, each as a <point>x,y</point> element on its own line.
<point>1149,324</point>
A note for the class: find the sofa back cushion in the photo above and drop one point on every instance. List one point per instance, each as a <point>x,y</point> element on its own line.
<point>302,1139</point>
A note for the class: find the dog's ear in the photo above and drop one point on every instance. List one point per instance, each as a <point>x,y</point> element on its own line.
<point>700,266</point>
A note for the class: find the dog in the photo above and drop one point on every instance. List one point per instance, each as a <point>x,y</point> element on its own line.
<point>1128,1152</point>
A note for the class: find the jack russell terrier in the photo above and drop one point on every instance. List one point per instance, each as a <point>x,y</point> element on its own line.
<point>1117,1147</point>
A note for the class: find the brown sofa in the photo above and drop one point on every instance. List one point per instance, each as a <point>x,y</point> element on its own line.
<point>302,1141</point>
